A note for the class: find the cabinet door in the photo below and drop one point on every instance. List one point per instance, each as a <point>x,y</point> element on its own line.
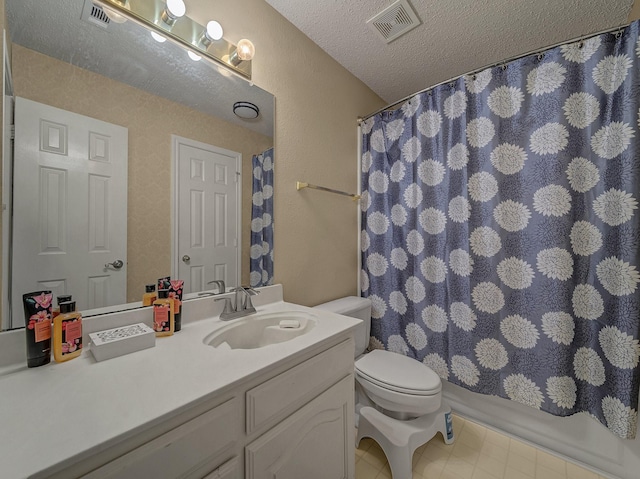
<point>316,442</point>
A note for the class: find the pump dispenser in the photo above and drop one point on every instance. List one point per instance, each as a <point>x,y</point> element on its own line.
<point>61,299</point>
<point>150,295</point>
<point>67,333</point>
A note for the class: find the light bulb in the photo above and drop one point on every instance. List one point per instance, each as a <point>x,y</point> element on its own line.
<point>212,33</point>
<point>245,49</point>
<point>194,56</point>
<point>176,8</point>
<point>214,30</point>
<point>158,38</point>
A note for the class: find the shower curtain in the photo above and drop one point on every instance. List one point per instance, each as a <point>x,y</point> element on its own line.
<point>500,229</point>
<point>261,263</point>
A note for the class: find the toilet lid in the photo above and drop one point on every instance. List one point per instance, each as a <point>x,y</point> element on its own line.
<point>399,373</point>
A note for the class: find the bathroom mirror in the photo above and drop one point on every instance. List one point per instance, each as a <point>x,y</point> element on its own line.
<point>70,56</point>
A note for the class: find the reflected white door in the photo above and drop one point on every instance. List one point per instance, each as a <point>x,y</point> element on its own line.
<point>207,201</point>
<point>70,207</point>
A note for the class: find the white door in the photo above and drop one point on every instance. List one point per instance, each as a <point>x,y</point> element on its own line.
<point>70,207</point>
<point>207,202</point>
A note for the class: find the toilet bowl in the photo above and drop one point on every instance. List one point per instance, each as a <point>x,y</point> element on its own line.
<point>403,387</point>
<point>398,399</point>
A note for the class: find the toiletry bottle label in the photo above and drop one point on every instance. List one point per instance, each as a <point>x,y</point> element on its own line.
<point>42,330</point>
<point>71,335</point>
<point>161,317</point>
<point>41,325</point>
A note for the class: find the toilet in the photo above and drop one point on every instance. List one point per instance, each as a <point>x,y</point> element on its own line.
<point>398,399</point>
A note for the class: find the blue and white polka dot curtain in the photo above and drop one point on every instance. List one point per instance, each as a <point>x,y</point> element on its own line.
<point>500,230</point>
<point>262,220</point>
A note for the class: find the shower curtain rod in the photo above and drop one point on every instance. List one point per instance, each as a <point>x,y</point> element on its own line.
<point>491,65</point>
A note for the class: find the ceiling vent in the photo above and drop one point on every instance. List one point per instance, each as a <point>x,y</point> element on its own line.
<point>93,13</point>
<point>394,21</point>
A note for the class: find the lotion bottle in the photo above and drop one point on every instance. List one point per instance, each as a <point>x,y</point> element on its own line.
<point>37,314</point>
<point>164,314</point>
<point>67,333</point>
<point>175,293</point>
<point>150,295</point>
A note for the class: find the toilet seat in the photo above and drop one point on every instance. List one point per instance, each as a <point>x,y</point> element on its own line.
<point>398,373</point>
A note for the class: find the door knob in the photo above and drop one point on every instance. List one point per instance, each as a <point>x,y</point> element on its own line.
<point>186,258</point>
<point>117,264</point>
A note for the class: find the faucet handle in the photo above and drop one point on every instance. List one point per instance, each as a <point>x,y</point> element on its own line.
<point>228,308</point>
<point>221,286</point>
<point>250,292</point>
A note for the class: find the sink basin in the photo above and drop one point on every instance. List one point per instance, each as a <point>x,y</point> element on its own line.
<point>260,330</point>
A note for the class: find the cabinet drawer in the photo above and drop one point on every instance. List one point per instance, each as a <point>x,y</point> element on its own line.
<point>229,470</point>
<point>185,451</point>
<point>273,400</point>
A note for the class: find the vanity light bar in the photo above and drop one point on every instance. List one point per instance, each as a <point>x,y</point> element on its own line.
<point>184,31</point>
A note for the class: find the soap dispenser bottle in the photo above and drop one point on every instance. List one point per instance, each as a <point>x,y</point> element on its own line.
<point>67,333</point>
<point>150,295</point>
<point>61,299</point>
<point>164,314</point>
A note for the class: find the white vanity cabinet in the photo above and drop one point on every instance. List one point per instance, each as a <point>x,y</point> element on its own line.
<point>191,450</point>
<point>312,408</point>
<point>294,421</point>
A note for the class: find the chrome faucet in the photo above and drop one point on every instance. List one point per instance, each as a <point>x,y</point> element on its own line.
<point>243,305</point>
<point>221,288</point>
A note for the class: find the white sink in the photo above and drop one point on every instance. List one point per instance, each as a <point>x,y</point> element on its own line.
<point>260,330</point>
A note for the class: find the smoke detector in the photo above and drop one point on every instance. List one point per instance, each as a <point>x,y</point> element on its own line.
<point>394,21</point>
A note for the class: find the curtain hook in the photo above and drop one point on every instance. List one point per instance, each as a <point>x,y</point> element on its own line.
<point>473,77</point>
<point>540,56</point>
<point>504,66</point>
<point>452,84</point>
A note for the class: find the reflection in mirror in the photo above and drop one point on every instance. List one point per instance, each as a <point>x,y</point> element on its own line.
<point>120,135</point>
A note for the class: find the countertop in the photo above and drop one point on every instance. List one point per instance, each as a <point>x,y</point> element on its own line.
<point>60,411</point>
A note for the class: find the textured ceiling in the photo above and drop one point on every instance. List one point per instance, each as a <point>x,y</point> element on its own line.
<point>127,53</point>
<point>455,36</point>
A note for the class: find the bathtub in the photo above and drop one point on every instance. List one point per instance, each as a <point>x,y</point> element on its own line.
<point>578,438</point>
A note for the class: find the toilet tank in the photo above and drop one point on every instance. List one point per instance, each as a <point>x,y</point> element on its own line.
<point>354,307</point>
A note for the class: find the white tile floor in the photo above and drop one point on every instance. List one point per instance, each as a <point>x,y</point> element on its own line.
<point>477,453</point>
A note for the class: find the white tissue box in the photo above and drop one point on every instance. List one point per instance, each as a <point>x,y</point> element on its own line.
<point>115,342</point>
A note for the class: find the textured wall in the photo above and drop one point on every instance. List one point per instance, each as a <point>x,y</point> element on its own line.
<point>634,13</point>
<point>317,103</point>
<point>151,120</point>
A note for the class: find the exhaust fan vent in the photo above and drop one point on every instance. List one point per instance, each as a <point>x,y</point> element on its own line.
<point>394,21</point>
<point>93,13</point>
